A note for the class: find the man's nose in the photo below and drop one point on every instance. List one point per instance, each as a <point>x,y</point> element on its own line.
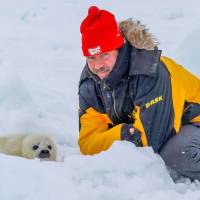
<point>98,63</point>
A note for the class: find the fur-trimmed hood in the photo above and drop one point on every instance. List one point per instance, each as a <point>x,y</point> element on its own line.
<point>137,34</point>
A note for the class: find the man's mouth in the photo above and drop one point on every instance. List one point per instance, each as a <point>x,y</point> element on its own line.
<point>102,72</point>
<point>103,69</point>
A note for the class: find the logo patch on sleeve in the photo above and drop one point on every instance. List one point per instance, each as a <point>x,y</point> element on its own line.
<point>153,101</point>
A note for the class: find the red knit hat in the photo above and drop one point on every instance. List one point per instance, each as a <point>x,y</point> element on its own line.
<point>100,32</point>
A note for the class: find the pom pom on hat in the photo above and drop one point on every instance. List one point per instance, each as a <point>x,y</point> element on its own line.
<point>93,10</point>
<point>100,32</point>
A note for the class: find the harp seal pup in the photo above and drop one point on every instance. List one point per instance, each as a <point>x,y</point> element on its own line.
<point>30,146</point>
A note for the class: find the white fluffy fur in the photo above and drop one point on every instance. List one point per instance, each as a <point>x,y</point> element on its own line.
<point>22,145</point>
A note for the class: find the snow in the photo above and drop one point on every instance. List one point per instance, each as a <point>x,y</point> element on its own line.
<point>40,66</point>
<point>188,53</point>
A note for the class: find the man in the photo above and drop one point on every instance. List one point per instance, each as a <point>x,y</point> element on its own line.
<point>128,91</point>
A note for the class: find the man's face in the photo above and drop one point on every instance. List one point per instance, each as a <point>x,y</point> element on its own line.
<point>102,64</point>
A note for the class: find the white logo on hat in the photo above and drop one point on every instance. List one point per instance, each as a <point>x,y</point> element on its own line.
<point>93,51</point>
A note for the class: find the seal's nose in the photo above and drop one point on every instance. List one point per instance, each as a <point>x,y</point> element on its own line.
<point>44,154</point>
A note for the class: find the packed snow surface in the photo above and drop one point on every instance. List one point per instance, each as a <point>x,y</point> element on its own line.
<point>40,66</point>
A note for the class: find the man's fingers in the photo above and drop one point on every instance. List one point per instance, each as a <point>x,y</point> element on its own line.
<point>131,130</point>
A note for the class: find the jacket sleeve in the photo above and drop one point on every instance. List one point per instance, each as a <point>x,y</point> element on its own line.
<point>185,92</point>
<point>95,135</point>
<point>154,108</point>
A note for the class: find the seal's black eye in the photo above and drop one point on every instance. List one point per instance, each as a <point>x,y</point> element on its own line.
<point>49,147</point>
<point>35,147</point>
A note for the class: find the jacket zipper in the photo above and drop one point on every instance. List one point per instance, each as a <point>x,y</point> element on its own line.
<point>105,86</point>
<point>114,107</point>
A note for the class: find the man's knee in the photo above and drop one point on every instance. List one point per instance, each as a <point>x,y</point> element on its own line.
<point>182,152</point>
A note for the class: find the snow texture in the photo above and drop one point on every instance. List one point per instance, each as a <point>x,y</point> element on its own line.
<point>40,66</point>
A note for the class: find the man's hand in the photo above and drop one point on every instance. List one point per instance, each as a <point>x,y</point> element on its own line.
<point>131,130</point>
<point>129,133</point>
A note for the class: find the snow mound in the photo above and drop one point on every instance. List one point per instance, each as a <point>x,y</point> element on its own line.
<point>123,172</point>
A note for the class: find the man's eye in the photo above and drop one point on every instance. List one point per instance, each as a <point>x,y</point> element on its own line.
<point>90,59</point>
<point>105,55</point>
